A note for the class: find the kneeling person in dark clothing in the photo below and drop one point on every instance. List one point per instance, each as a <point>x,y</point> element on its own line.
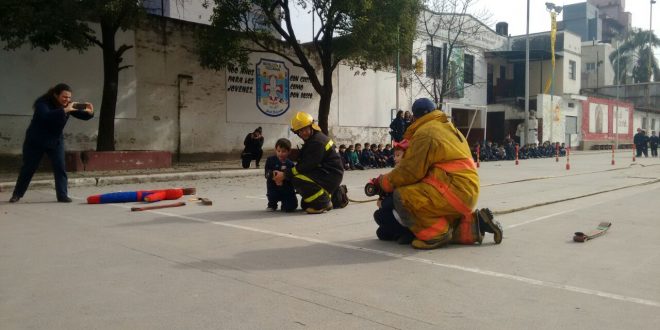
<point>283,192</point>
<point>388,220</point>
<point>252,151</point>
<point>319,171</point>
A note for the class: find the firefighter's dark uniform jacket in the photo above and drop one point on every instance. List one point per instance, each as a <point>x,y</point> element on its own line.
<point>319,162</point>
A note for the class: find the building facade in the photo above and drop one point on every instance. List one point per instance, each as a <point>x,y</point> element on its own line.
<point>167,101</point>
<point>552,96</point>
<point>465,99</point>
<point>597,70</point>
<point>582,19</point>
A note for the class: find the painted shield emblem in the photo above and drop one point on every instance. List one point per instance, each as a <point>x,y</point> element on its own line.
<point>272,87</point>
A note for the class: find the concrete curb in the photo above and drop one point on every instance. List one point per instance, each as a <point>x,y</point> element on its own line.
<point>140,178</point>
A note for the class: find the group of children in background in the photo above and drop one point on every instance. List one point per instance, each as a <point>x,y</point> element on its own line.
<point>489,151</point>
<point>353,157</point>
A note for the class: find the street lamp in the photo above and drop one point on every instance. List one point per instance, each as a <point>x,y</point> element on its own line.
<point>552,7</point>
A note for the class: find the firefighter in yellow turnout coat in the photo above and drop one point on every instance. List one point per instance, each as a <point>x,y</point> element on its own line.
<point>436,185</point>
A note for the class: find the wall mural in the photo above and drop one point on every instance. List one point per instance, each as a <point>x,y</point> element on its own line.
<point>267,90</point>
<point>456,74</point>
<point>272,87</point>
<point>598,118</point>
<point>623,120</point>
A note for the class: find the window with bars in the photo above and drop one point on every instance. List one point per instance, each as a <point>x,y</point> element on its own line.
<point>571,69</point>
<point>468,69</point>
<point>433,62</point>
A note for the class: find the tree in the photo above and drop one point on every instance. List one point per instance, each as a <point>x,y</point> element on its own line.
<point>360,32</point>
<point>44,24</point>
<point>633,55</point>
<point>447,29</point>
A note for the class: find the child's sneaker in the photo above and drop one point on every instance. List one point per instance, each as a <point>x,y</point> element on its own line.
<point>271,208</point>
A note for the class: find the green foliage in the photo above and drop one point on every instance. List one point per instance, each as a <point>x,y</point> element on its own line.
<point>378,31</point>
<point>364,31</point>
<point>46,23</point>
<point>633,56</point>
<point>42,24</point>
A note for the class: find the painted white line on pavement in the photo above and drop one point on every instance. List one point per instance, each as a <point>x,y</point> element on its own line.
<point>554,215</point>
<point>473,270</point>
<point>539,219</point>
<point>526,280</point>
<point>255,197</point>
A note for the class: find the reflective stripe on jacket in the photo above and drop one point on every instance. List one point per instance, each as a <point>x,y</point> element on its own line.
<point>436,179</point>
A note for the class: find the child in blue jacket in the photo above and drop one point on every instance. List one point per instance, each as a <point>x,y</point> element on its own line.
<point>284,193</point>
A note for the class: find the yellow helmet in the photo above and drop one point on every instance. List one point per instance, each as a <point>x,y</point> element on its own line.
<point>301,120</point>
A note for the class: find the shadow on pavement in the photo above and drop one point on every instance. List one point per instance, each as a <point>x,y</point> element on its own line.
<point>312,255</point>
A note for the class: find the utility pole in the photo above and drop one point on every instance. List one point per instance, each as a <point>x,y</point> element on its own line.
<point>523,138</point>
<point>648,84</point>
<point>618,84</point>
<point>597,66</point>
<point>398,68</point>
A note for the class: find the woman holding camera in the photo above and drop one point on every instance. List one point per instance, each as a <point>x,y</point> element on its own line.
<point>44,136</point>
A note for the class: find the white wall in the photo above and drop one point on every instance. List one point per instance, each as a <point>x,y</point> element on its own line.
<point>572,52</point>
<point>638,119</point>
<point>365,98</point>
<point>187,10</point>
<point>28,73</point>
<point>168,97</point>
<point>604,74</point>
<point>554,118</point>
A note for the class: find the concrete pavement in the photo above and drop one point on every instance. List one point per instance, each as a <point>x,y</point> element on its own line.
<point>235,266</point>
<point>231,168</point>
<point>179,171</point>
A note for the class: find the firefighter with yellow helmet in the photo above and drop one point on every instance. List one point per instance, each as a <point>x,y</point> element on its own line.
<point>434,188</point>
<point>319,171</point>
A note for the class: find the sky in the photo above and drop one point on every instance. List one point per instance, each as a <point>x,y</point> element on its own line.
<point>514,12</point>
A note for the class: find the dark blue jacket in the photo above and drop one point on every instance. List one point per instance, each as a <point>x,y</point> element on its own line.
<point>274,164</point>
<point>48,121</point>
<point>653,140</point>
<point>640,140</point>
<point>398,127</point>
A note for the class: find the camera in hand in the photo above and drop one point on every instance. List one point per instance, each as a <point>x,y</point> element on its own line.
<point>80,106</point>
<point>372,190</point>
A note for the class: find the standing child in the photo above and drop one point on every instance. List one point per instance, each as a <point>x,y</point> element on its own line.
<point>285,192</point>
